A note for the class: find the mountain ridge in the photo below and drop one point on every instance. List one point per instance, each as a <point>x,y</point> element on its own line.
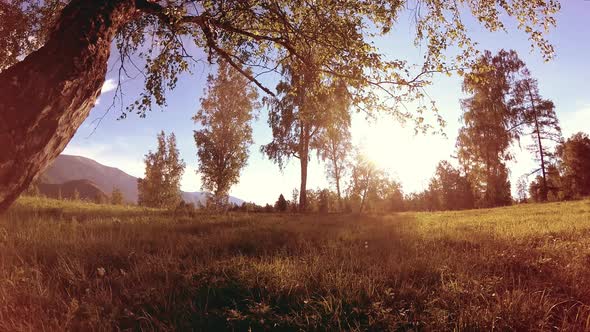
<point>67,168</point>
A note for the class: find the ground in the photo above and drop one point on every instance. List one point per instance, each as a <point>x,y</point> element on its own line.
<point>80,266</point>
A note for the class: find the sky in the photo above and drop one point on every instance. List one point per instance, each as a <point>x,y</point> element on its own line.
<point>410,158</point>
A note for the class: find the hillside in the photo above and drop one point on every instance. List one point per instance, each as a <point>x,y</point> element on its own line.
<point>86,190</point>
<point>67,168</point>
<point>517,268</point>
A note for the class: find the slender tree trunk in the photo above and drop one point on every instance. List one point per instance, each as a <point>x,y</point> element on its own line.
<point>303,160</point>
<point>338,192</point>
<point>367,184</point>
<point>337,177</point>
<point>544,187</point>
<point>47,96</point>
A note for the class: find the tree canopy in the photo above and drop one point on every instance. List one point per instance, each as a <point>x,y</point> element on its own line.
<point>160,188</point>
<point>226,133</point>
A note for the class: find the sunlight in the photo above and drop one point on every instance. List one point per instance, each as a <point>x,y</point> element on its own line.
<point>397,150</point>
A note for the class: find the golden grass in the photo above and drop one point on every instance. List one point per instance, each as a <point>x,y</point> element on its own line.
<point>518,268</point>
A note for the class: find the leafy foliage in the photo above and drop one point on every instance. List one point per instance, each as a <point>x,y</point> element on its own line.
<point>117,197</point>
<point>450,189</point>
<point>226,134</point>
<point>489,117</point>
<point>281,204</point>
<point>272,34</point>
<point>160,188</point>
<point>574,165</point>
<point>372,189</point>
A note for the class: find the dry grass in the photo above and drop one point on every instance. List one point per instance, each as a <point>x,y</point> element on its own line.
<point>516,268</point>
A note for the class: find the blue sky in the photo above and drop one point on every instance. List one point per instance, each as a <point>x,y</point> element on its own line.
<point>412,159</point>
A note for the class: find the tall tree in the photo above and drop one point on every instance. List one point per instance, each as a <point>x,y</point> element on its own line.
<point>55,60</point>
<point>334,143</point>
<point>488,116</point>
<point>222,142</point>
<point>160,188</point>
<point>574,164</point>
<point>302,111</point>
<point>537,116</point>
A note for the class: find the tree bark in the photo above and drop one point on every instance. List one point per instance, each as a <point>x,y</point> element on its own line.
<point>47,96</point>
<point>337,176</point>
<point>367,185</point>
<point>544,190</point>
<point>303,161</point>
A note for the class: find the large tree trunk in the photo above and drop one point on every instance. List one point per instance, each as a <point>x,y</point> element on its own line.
<point>47,96</point>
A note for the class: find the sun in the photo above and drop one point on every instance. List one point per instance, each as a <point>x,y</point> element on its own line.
<point>396,149</point>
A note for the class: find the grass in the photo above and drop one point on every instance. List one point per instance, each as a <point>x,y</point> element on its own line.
<point>518,268</point>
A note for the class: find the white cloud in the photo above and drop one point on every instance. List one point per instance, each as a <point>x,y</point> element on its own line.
<point>578,120</point>
<point>108,85</point>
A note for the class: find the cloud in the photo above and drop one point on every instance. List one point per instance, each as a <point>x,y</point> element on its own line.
<point>578,120</point>
<point>108,85</point>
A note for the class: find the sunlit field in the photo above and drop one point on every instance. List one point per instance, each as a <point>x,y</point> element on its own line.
<point>79,266</point>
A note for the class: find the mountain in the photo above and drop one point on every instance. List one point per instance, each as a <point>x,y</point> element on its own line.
<point>85,188</point>
<point>68,168</point>
<point>200,197</point>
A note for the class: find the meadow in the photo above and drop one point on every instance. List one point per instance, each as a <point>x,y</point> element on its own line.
<point>81,266</point>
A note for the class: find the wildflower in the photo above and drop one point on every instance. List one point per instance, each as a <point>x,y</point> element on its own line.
<point>366,245</point>
<point>101,272</point>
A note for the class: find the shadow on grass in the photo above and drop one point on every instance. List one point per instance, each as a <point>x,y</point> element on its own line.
<point>287,272</point>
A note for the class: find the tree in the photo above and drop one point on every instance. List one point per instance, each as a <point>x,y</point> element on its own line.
<point>371,187</point>
<point>295,200</point>
<point>549,188</point>
<point>393,199</point>
<point>539,115</point>
<point>117,196</point>
<point>449,189</point>
<point>303,110</point>
<point>574,165</point>
<point>281,204</point>
<point>76,195</point>
<point>521,189</point>
<point>160,188</point>
<point>324,201</point>
<point>488,117</point>
<point>226,133</point>
<point>54,54</point>
<point>334,145</point>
